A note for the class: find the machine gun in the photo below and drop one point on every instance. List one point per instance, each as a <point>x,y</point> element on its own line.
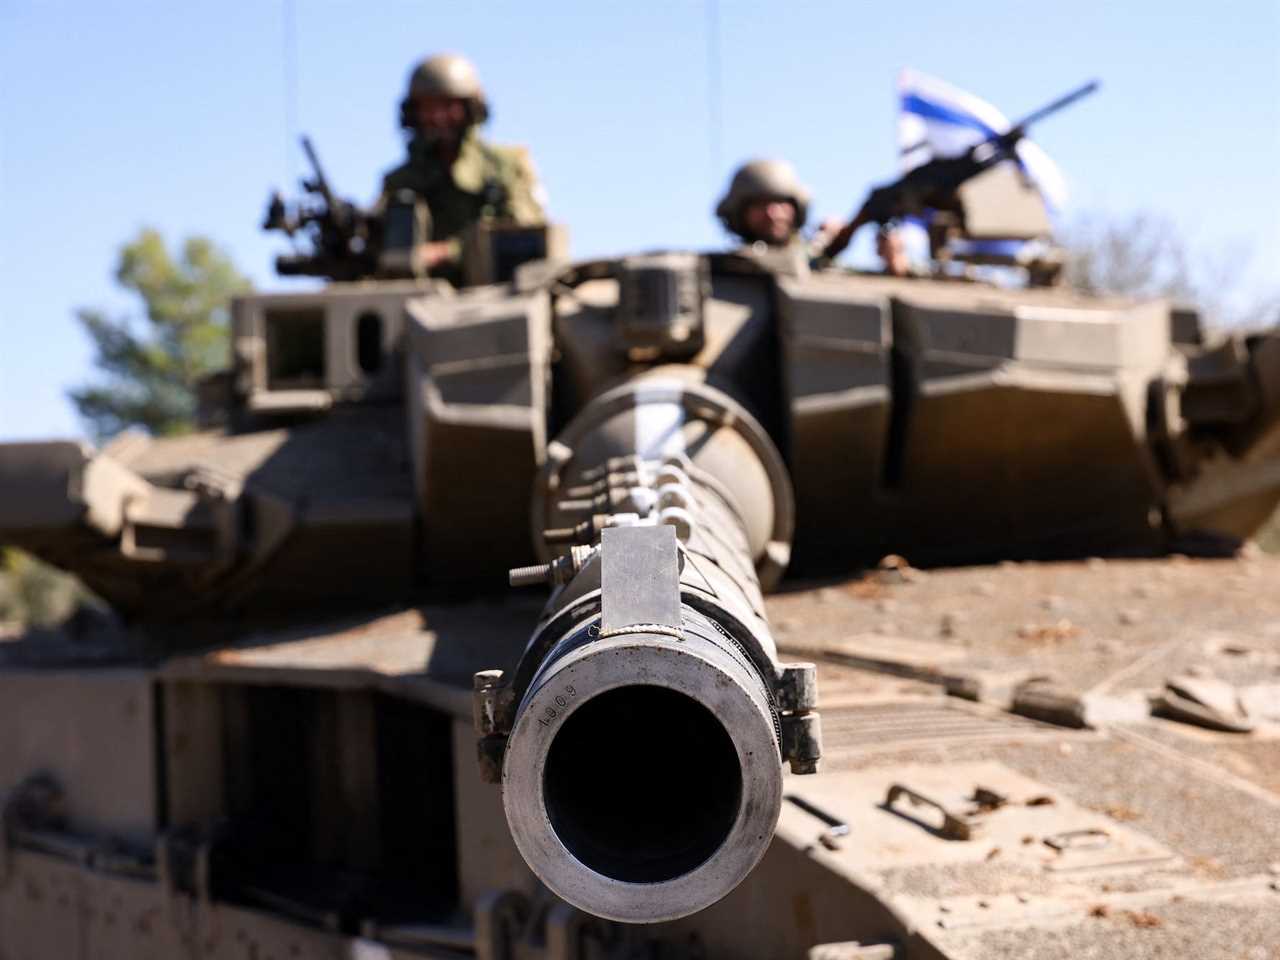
<point>933,185</point>
<point>344,239</point>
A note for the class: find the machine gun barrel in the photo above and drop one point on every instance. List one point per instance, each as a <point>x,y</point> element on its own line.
<point>344,240</point>
<point>341,215</point>
<point>321,182</point>
<point>643,733</point>
<point>1034,117</point>
<point>1062,102</point>
<point>933,183</point>
<point>303,265</point>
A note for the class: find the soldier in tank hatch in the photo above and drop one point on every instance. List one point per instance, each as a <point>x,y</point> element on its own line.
<point>767,204</point>
<point>461,177</point>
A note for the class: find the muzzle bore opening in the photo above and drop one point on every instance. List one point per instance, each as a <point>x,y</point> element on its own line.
<point>642,784</point>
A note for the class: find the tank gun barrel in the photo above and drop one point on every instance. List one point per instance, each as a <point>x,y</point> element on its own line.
<point>642,736</point>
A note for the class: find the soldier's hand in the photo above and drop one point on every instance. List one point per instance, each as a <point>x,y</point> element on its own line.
<point>893,253</point>
<point>428,256</point>
<point>879,207</point>
<point>826,230</point>
<point>840,237</point>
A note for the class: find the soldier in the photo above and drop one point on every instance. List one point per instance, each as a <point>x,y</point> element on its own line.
<point>461,177</point>
<point>766,203</point>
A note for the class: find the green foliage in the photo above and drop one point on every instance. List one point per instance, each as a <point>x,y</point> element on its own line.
<point>151,367</point>
<point>32,593</point>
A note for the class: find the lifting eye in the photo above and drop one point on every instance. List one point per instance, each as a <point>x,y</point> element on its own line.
<point>369,342</point>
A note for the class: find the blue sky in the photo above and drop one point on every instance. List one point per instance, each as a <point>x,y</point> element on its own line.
<point>118,115</point>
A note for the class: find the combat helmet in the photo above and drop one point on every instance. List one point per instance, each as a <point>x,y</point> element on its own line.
<point>445,75</point>
<point>762,180</point>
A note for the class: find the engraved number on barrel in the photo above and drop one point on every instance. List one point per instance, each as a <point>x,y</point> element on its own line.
<point>549,714</point>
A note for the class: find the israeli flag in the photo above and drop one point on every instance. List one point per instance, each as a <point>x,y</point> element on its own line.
<point>939,120</point>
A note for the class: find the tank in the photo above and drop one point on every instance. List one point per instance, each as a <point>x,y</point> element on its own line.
<point>566,615</point>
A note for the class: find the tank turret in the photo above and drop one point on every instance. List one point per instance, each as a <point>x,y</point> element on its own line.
<point>330,724</point>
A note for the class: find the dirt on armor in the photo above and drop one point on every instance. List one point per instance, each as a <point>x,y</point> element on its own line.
<point>1116,624</point>
<point>1201,808</point>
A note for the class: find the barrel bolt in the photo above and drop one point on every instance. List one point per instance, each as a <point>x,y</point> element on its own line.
<point>559,571</point>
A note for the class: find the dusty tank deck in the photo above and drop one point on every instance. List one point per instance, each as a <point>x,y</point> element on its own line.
<point>1188,819</point>
<point>1181,854</point>
<point>1141,837</point>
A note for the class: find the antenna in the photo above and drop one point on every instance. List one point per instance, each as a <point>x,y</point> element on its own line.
<point>713,88</point>
<point>289,59</point>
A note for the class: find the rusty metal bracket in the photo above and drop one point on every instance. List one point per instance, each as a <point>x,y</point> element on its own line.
<point>797,688</point>
<point>502,918</point>
<point>491,703</point>
<point>491,708</point>
<point>955,826</point>
<point>490,754</point>
<point>571,934</point>
<point>802,741</point>
<point>36,805</point>
<point>1093,838</point>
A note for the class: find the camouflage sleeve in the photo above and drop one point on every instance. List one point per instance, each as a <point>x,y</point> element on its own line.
<point>392,180</point>
<point>526,198</point>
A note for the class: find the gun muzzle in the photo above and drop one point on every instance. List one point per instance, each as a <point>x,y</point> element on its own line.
<point>642,778</point>
<point>640,741</point>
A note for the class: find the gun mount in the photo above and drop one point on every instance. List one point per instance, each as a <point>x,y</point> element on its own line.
<point>347,243</point>
<point>345,240</point>
<point>932,185</point>
<point>965,195</point>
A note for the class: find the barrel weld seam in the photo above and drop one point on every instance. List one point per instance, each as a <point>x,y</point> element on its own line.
<point>663,628</point>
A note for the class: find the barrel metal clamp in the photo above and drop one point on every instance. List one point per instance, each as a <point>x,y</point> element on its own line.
<point>796,691</point>
<point>492,705</point>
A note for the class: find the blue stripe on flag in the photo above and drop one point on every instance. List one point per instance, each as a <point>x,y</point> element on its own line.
<point>999,248</point>
<point>914,103</point>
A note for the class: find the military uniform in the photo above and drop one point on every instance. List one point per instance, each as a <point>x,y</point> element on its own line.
<point>484,181</point>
